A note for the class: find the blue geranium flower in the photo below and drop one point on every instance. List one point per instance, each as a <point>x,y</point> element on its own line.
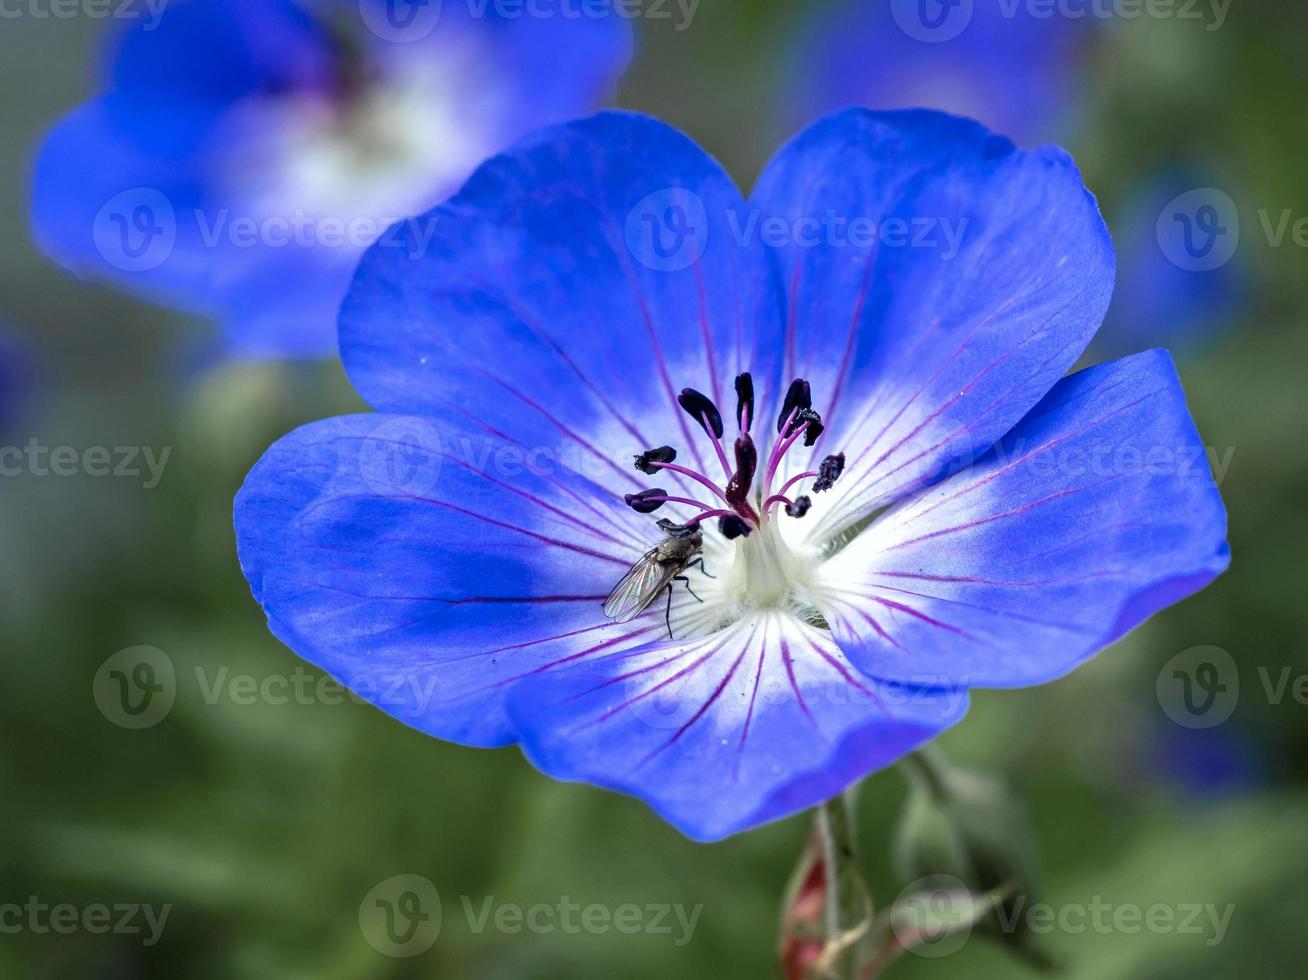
<point>848,388</point>
<point>246,152</point>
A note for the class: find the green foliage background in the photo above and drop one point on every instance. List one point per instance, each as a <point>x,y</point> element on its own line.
<point>265,825</point>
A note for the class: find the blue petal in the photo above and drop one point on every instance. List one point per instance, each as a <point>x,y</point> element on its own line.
<point>207,55</point>
<point>1095,512</point>
<point>546,305</point>
<point>721,734</point>
<point>1017,72</point>
<point>427,565</point>
<point>128,218</point>
<point>976,276</point>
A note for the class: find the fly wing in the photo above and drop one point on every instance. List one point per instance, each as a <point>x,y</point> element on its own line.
<point>646,579</point>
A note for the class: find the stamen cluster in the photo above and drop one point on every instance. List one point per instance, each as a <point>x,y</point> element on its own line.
<point>741,509</point>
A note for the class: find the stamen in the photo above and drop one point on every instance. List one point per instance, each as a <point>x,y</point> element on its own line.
<point>812,424</point>
<point>800,507</point>
<point>829,471</point>
<point>738,518</point>
<point>733,526</point>
<point>779,451</point>
<point>646,460</point>
<point>701,408</point>
<point>745,401</point>
<point>700,518</point>
<point>795,479</point>
<point>697,477</point>
<point>798,397</point>
<point>647,501</point>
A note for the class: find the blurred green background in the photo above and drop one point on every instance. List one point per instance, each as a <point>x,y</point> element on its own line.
<point>263,825</point>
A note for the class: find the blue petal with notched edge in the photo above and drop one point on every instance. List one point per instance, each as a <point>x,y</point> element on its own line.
<point>1095,512</point>
<point>572,289</point>
<point>428,565</point>
<point>966,277</point>
<point>727,732</point>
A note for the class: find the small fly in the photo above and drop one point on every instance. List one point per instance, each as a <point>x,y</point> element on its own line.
<point>656,571</point>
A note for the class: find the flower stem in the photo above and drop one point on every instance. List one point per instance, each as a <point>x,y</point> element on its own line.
<point>847,910</point>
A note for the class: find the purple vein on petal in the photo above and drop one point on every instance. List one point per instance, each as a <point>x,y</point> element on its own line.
<point>753,698</point>
<point>703,708</point>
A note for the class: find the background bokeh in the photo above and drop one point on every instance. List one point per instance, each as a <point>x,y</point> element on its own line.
<point>263,825</point>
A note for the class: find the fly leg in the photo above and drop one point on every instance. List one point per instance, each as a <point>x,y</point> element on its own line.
<point>683,578</point>
<point>668,615</point>
<point>702,568</point>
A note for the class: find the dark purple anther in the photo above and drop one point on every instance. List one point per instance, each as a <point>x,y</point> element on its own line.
<point>800,507</point>
<point>701,408</point>
<point>733,527</point>
<point>813,421</point>
<point>829,472</point>
<point>664,454</point>
<point>745,401</point>
<point>647,501</point>
<point>798,397</point>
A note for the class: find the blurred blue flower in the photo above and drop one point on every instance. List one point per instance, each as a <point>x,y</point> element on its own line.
<point>15,379</point>
<point>933,507</point>
<point>1207,764</point>
<point>992,60</point>
<point>1022,69</point>
<point>245,152</point>
<point>1180,286</point>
